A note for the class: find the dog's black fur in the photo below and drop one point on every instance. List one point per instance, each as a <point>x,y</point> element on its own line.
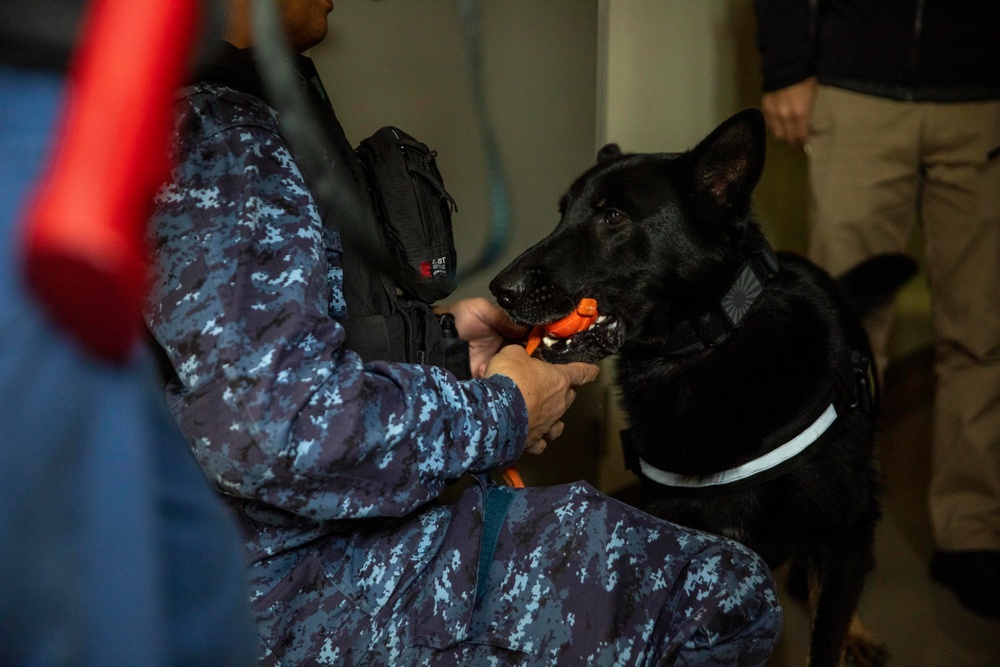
<point>658,239</point>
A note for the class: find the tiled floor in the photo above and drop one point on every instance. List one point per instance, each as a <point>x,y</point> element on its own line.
<point>920,621</point>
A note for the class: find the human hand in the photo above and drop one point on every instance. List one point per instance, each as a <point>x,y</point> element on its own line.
<point>486,327</point>
<point>787,112</point>
<point>548,390</point>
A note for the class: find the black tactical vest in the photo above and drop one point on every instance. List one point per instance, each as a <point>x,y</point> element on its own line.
<point>382,324</point>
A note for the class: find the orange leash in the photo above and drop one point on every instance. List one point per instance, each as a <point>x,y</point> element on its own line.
<point>581,318</point>
<point>513,478</point>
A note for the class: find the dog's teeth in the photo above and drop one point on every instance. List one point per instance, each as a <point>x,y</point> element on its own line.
<point>601,318</point>
<point>549,341</point>
<point>613,325</point>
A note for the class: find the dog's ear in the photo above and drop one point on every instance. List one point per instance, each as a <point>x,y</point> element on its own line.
<point>608,153</point>
<point>728,163</point>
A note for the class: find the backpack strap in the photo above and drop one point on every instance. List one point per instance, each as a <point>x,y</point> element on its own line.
<point>381,325</point>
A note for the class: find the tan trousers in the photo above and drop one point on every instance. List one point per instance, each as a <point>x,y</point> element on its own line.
<point>877,167</point>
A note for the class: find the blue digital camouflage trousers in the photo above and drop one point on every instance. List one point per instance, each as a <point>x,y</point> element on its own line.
<point>574,578</point>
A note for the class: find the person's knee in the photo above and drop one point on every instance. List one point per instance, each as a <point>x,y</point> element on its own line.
<point>728,597</point>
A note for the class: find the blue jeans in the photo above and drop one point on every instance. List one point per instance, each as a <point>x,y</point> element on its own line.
<point>113,548</point>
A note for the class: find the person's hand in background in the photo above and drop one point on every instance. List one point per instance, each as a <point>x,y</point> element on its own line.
<point>787,112</point>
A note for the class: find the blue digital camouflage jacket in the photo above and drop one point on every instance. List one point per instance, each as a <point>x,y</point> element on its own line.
<point>246,302</point>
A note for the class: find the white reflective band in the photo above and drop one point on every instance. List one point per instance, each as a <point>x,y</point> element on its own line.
<point>773,458</point>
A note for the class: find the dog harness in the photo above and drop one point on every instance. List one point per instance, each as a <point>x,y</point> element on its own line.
<point>785,449</point>
<point>773,460</point>
<point>791,445</point>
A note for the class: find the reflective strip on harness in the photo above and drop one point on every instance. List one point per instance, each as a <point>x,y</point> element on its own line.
<point>772,459</point>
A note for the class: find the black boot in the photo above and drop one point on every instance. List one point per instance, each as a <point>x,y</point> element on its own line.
<point>973,576</point>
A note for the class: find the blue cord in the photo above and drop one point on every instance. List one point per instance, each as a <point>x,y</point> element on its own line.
<point>496,240</point>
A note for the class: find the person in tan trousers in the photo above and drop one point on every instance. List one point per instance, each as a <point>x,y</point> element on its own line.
<point>897,106</point>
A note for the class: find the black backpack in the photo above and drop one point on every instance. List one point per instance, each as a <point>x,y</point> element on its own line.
<point>414,210</point>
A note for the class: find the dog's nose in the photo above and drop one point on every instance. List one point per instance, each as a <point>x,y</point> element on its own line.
<point>506,291</point>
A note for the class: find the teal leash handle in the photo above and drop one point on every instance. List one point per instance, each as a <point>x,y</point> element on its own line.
<point>497,501</point>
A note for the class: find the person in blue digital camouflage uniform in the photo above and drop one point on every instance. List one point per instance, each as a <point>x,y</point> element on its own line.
<point>334,465</point>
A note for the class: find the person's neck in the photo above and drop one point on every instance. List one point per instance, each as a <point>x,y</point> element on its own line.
<point>238,31</point>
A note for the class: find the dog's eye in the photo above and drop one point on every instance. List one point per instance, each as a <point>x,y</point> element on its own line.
<point>614,217</point>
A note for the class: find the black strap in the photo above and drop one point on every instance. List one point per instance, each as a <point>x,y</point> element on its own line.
<point>367,289</point>
<point>381,325</point>
<point>715,324</point>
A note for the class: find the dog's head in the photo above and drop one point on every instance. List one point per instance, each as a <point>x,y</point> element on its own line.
<point>652,237</point>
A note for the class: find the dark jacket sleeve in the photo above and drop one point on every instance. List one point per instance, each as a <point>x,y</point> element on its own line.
<point>40,33</point>
<point>246,300</point>
<point>786,39</point>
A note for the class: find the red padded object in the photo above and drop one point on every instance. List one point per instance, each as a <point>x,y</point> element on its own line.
<point>84,252</point>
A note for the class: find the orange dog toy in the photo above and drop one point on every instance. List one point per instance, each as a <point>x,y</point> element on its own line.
<point>578,320</point>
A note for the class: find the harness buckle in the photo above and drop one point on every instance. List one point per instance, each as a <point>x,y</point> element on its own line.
<point>864,384</point>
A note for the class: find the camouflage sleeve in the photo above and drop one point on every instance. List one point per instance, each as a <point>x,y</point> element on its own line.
<point>246,294</point>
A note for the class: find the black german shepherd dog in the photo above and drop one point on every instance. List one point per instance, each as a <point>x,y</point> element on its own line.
<point>745,375</point>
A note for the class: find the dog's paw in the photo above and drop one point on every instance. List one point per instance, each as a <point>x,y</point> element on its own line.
<point>863,649</point>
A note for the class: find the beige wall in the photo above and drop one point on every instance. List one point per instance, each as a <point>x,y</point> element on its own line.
<point>403,63</point>
<point>671,72</point>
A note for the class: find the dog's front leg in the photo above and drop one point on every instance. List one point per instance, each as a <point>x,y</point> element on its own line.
<point>837,578</point>
<point>862,647</point>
